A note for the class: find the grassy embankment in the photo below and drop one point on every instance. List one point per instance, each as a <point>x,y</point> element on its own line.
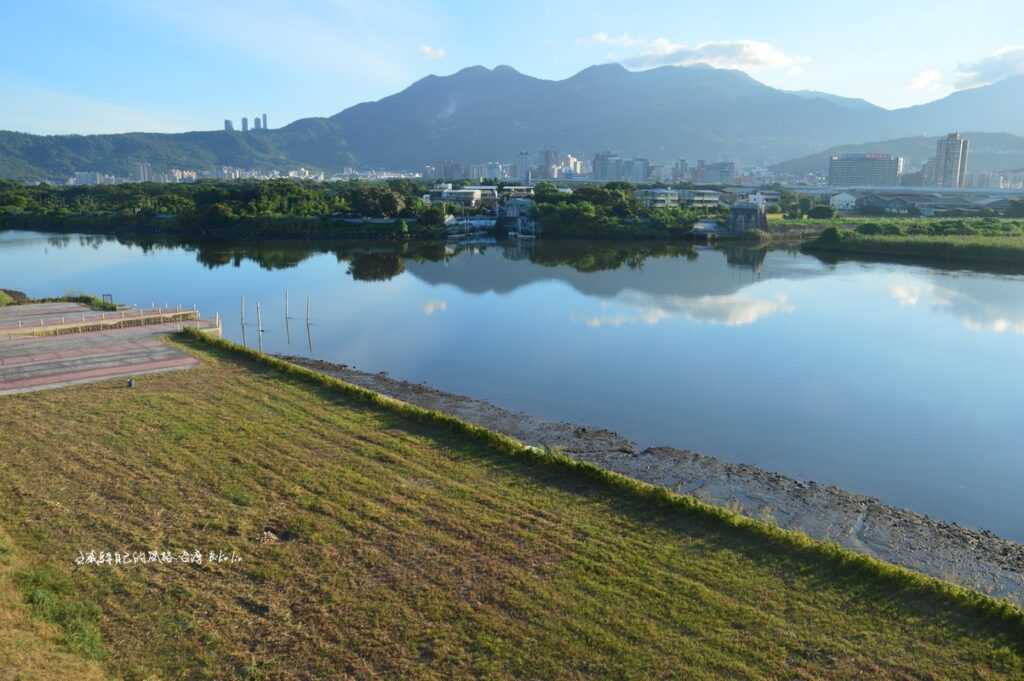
<point>10,297</point>
<point>985,242</point>
<point>379,539</point>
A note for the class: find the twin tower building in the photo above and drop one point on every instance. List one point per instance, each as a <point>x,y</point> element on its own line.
<point>258,123</point>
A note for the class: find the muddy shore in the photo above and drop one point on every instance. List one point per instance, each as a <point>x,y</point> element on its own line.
<point>975,559</point>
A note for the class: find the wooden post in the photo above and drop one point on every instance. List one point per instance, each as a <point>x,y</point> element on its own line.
<point>307,309</point>
<point>243,312</point>
<point>286,303</point>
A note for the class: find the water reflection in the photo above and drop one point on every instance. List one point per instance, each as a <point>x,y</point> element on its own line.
<point>990,305</point>
<point>730,310</point>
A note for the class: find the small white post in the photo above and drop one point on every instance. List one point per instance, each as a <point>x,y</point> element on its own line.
<point>307,309</point>
<point>286,303</point>
<point>259,326</point>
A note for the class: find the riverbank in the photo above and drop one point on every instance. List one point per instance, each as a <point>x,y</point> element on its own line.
<point>373,538</point>
<point>975,559</point>
<point>999,251</point>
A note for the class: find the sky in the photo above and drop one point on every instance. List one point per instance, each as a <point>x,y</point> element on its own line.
<point>68,66</point>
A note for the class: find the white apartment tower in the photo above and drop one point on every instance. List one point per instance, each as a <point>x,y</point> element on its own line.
<point>951,161</point>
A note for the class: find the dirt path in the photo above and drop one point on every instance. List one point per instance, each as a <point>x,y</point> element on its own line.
<point>975,559</point>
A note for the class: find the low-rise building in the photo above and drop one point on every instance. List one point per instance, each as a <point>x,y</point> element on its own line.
<point>700,198</point>
<point>885,205</point>
<point>843,202</point>
<point>657,198</point>
<point>466,197</point>
<point>745,216</point>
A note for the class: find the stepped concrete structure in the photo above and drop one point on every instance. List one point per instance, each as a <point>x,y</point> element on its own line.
<point>52,345</point>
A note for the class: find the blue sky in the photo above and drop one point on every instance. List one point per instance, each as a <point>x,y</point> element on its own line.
<point>171,65</point>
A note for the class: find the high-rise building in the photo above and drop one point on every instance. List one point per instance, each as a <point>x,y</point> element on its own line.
<point>523,167</point>
<point>951,161</point>
<point>865,170</point>
<point>245,124</point>
<point>719,173</point>
<point>143,172</point>
<point>229,126</point>
<point>681,170</point>
<point>264,121</point>
<point>609,167</point>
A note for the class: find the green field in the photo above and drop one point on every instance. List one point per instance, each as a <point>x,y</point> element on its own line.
<point>959,249</point>
<point>380,541</point>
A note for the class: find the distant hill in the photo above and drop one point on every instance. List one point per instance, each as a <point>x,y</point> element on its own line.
<point>311,142</point>
<point>989,152</point>
<point>481,114</point>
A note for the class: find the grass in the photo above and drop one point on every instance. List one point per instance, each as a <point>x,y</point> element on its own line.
<point>381,540</point>
<point>31,648</point>
<point>985,248</point>
<point>93,302</point>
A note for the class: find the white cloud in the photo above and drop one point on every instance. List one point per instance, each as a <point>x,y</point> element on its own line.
<point>624,40</point>
<point>748,55</point>
<point>433,306</point>
<point>1004,63</point>
<point>434,53</point>
<point>906,294</point>
<point>728,310</point>
<point>929,80</point>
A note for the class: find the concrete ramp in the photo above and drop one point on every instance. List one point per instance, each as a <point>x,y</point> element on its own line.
<point>42,362</point>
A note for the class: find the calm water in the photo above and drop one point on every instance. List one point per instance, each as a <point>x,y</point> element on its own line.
<point>895,381</point>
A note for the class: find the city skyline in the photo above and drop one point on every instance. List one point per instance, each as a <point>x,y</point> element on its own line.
<point>328,56</point>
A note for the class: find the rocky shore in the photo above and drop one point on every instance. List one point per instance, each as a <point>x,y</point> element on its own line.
<point>975,559</point>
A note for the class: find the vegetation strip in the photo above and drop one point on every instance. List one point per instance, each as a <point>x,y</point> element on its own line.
<point>897,576</point>
<point>958,248</point>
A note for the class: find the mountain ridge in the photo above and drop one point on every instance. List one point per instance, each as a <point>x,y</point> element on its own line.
<point>479,114</point>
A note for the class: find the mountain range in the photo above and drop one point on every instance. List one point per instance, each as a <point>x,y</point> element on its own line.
<point>480,114</point>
